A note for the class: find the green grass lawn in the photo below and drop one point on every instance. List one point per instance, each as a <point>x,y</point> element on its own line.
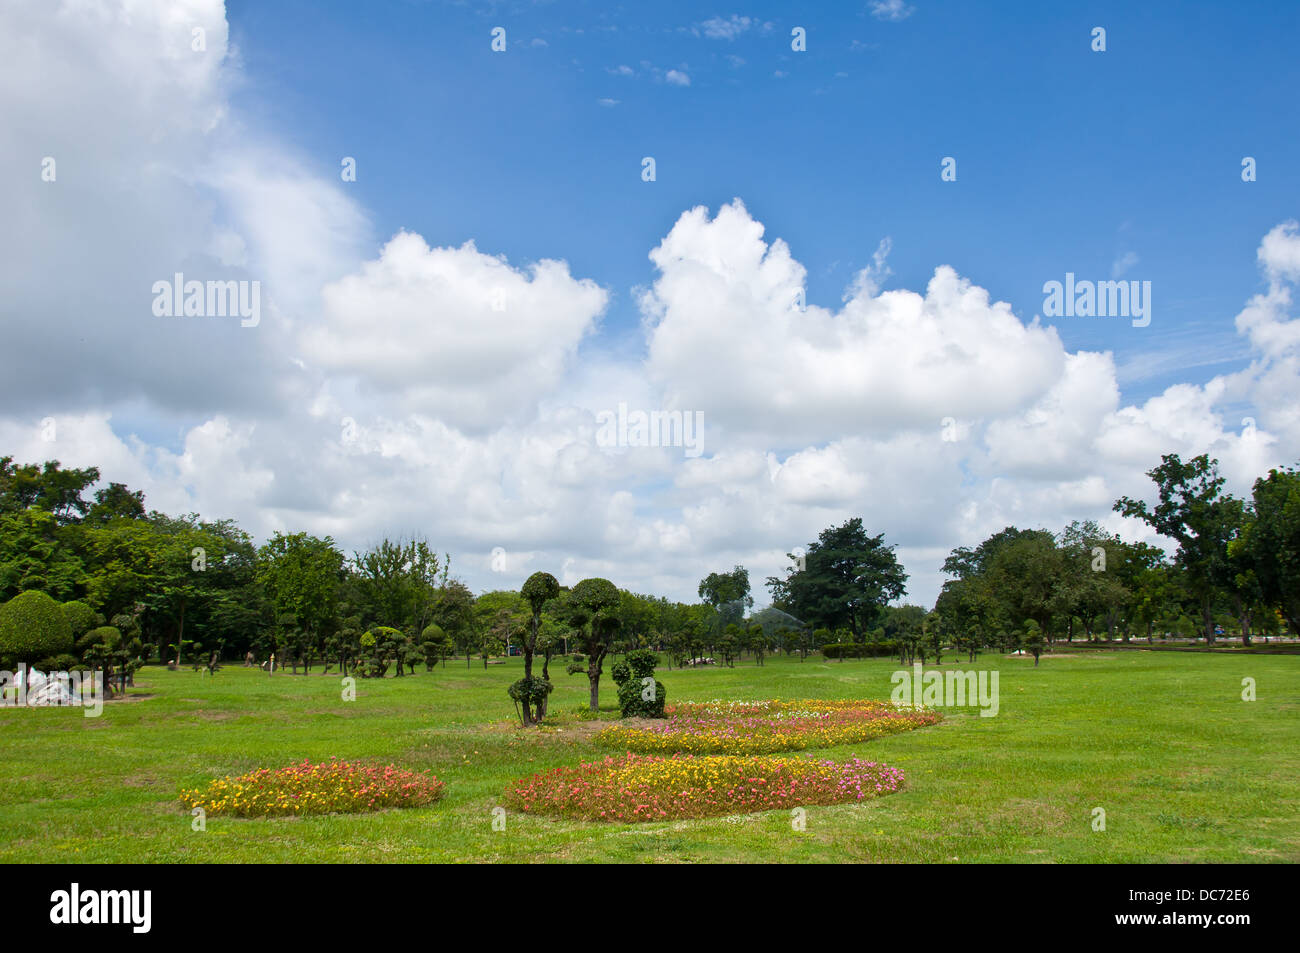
<point>1185,770</point>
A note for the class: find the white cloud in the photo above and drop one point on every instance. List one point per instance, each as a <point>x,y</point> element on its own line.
<point>677,78</point>
<point>891,11</point>
<point>719,28</point>
<point>453,331</point>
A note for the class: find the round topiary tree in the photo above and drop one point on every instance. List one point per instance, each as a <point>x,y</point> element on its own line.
<point>436,643</point>
<point>33,626</point>
<point>598,601</point>
<point>538,589</point>
<point>81,617</point>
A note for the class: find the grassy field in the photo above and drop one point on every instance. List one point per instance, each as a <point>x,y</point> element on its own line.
<point>1185,770</point>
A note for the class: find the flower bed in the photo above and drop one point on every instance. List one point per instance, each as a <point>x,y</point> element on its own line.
<point>765,727</point>
<point>648,788</point>
<point>331,787</point>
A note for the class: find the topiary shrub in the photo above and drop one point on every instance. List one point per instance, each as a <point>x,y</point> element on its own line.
<point>81,617</point>
<point>102,638</point>
<point>636,696</point>
<point>637,700</point>
<point>530,691</point>
<point>32,626</point>
<point>57,663</point>
<point>621,672</point>
<point>642,662</point>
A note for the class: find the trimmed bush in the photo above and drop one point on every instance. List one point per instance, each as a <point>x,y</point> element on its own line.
<point>632,703</point>
<point>532,691</point>
<point>57,663</point>
<point>32,626</point>
<point>636,667</point>
<point>81,617</point>
<point>107,636</point>
<point>642,662</point>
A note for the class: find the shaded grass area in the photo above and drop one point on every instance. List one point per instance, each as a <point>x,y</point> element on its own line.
<point>1185,770</point>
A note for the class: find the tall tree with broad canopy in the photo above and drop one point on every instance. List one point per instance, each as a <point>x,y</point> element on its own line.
<point>1270,547</point>
<point>847,579</point>
<point>301,575</point>
<point>1192,509</point>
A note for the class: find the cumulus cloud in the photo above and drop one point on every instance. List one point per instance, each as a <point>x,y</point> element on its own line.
<point>731,331</point>
<point>454,331</point>
<point>123,166</point>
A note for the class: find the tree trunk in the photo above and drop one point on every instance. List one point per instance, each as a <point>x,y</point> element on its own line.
<point>180,634</point>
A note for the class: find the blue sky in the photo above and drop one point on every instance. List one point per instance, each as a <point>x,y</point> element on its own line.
<point>1068,159</point>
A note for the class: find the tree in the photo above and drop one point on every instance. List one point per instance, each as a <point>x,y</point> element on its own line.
<point>301,574</point>
<point>399,582</point>
<point>453,609</point>
<point>756,641</point>
<point>33,627</point>
<point>116,501</point>
<point>436,643</point>
<point>1033,639</point>
<point>1022,577</point>
<point>1193,510</point>
<point>717,588</point>
<point>1270,546</point>
<point>50,488</point>
<point>597,599</point>
<point>538,589</point>
<point>81,618</point>
<point>847,579</point>
<point>35,553</point>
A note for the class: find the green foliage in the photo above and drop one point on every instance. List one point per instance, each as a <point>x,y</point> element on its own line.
<point>847,579</point>
<point>106,636</point>
<point>843,650</point>
<point>620,671</point>
<point>1192,509</point>
<point>81,618</point>
<point>64,662</point>
<point>1270,547</point>
<point>634,703</point>
<point>642,662</point>
<point>538,589</point>
<point>530,693</point>
<point>33,626</point>
<point>38,552</point>
<point>639,694</point>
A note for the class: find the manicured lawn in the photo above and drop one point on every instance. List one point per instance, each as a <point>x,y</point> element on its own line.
<point>1185,770</point>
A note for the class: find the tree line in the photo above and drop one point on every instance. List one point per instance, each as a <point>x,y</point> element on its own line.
<point>190,590</point>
